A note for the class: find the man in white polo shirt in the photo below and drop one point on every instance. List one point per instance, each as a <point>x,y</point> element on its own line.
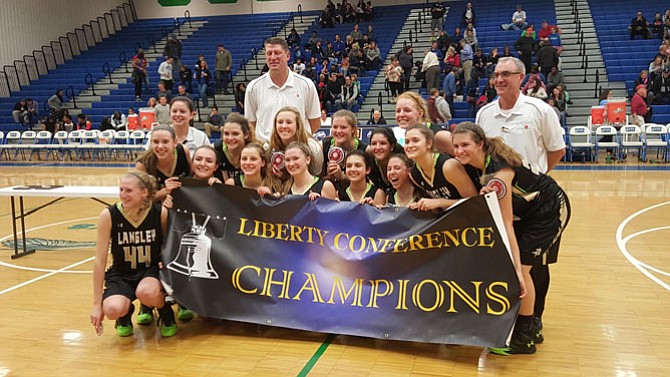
<point>532,128</point>
<point>278,88</point>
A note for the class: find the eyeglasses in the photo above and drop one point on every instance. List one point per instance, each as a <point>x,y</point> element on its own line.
<point>504,74</point>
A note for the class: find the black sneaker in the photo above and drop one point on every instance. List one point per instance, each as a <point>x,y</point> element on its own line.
<point>536,330</point>
<point>521,344</point>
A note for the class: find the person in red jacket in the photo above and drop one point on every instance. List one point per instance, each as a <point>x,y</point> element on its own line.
<point>638,105</point>
<point>83,123</point>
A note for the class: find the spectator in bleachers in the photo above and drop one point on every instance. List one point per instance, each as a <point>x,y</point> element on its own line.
<point>643,79</point>
<point>605,96</point>
<point>55,102</point>
<point>313,38</point>
<point>349,12</point>
<point>214,122</point>
<point>365,43</point>
<point>152,102</point>
<point>443,106</point>
<point>555,40</point>
<point>394,75</point>
<point>471,27</point>
<point>330,53</point>
<point>181,92</point>
<point>435,49</point>
<point>222,63</point>
<point>323,66</point>
<point>173,48</point>
<point>433,113</point>
<point>560,99</point>
<point>655,67</point>
<point>317,51</point>
<point>666,15</point>
<point>546,58</point>
<point>83,123</point>
<point>666,29</point>
<point>451,60</point>
<point>507,52</point>
<point>449,86</point>
<point>470,94</point>
<point>20,111</point>
<point>535,88</point>
<point>327,18</point>
<point>491,61</point>
<point>162,91</point>
<point>326,121</point>
<point>466,59</point>
<point>468,17</point>
<point>524,47</point>
<point>376,119</point>
<point>139,64</point>
<point>372,36</point>
<point>240,90</point>
<point>656,26</point>
<point>534,71</point>
<point>457,35</point>
<point>639,26</point>
<point>479,63</point>
<point>360,63</point>
<point>118,121</point>
<point>165,72</point>
<point>431,67</point>
<point>202,76</point>
<point>406,60</point>
<point>660,89</point>
<point>518,20</point>
<point>162,111</point>
<point>356,34</point>
<point>437,12</point>
<point>293,38</point>
<point>68,124</point>
<point>354,80</point>
<point>298,66</point>
<point>338,46</point>
<point>349,95</point>
<point>310,73</point>
<point>186,77</point>
<point>488,93</point>
<point>471,40</point>
<point>638,105</point>
<point>555,78</point>
<point>443,42</point>
<point>545,30</point>
<point>333,90</point>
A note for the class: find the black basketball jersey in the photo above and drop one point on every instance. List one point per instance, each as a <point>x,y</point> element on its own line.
<point>238,180</point>
<point>345,194</point>
<point>392,197</point>
<point>135,247</point>
<point>530,189</point>
<point>225,165</point>
<point>182,168</point>
<point>378,178</point>
<point>316,187</point>
<point>441,187</point>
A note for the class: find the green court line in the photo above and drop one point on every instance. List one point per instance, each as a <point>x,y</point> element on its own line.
<point>317,355</point>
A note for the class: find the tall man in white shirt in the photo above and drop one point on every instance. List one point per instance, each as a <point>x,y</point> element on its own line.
<point>532,128</point>
<point>278,88</point>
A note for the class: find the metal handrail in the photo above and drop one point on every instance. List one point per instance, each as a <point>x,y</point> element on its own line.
<point>243,66</point>
<point>36,74</point>
<point>52,57</point>
<point>99,30</point>
<point>596,95</point>
<point>18,73</point>
<point>152,41</point>
<point>44,59</point>
<point>124,60</point>
<point>300,11</point>
<point>62,53</point>
<point>74,100</point>
<point>586,58</point>
<point>114,20</point>
<point>380,102</point>
<point>187,17</point>
<point>176,25</point>
<point>88,79</point>
<point>410,35</point>
<point>254,52</point>
<point>107,70</point>
<point>76,39</point>
<point>106,27</point>
<point>69,47</point>
<point>83,27</point>
<point>133,11</point>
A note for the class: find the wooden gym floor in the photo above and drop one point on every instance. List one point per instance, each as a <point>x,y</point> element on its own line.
<point>607,310</point>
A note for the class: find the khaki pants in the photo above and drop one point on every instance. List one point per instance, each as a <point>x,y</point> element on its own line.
<point>210,127</point>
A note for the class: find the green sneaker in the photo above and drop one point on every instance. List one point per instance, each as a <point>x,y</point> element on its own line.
<point>166,322</point>
<point>184,314</point>
<point>146,315</point>
<point>124,325</point>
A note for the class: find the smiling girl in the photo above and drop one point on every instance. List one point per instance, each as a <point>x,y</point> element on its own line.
<point>360,190</point>
<point>235,135</point>
<point>297,158</point>
<point>397,171</point>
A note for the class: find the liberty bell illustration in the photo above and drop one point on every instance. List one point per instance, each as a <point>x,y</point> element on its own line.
<point>193,258</point>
